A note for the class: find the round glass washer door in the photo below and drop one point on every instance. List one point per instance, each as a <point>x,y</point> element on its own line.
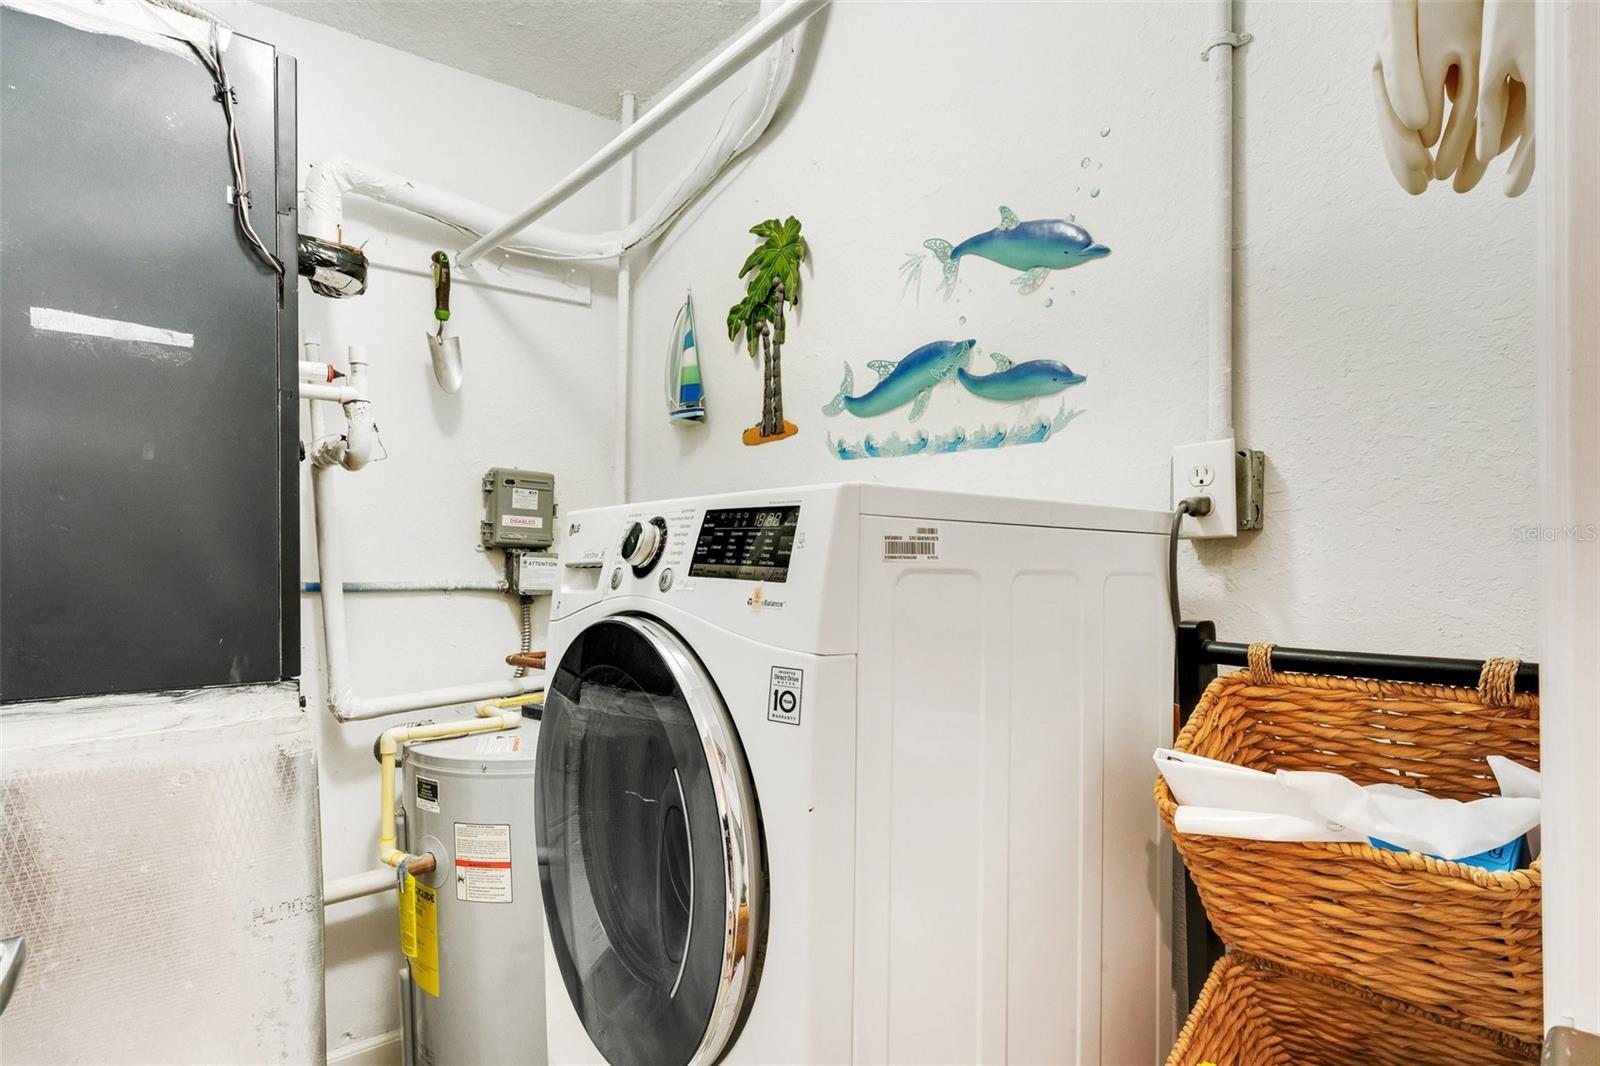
<point>649,847</point>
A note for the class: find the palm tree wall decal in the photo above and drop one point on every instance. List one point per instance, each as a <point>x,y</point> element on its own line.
<point>774,272</point>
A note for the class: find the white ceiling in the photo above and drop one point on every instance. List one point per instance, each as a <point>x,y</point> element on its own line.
<point>582,52</point>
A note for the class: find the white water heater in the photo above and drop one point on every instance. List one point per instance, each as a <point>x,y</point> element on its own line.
<point>474,992</point>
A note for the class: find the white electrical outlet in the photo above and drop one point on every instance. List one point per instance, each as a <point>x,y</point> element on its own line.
<point>1207,470</point>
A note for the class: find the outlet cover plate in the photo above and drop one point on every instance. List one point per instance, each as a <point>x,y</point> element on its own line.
<point>1207,469</point>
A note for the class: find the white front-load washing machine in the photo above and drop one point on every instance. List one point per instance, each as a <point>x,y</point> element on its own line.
<point>853,773</point>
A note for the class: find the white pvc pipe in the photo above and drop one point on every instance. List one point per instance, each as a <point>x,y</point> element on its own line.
<point>413,586</point>
<point>353,448</point>
<point>343,703</point>
<point>332,393</point>
<point>359,430</point>
<point>355,886</point>
<point>624,320</point>
<point>322,373</point>
<point>762,34</point>
<point>1219,360</point>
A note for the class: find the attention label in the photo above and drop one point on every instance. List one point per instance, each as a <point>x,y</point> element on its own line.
<point>923,544</point>
<point>483,862</point>
<point>783,704</point>
<point>522,521</point>
<point>525,499</point>
<point>419,933</point>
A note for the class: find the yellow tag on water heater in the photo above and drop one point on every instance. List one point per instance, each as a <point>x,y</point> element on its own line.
<point>408,917</point>
<point>419,933</point>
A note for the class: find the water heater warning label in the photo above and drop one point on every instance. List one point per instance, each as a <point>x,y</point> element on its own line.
<point>483,862</point>
<point>428,795</point>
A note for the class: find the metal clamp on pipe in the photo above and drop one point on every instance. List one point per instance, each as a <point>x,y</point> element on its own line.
<point>493,716</point>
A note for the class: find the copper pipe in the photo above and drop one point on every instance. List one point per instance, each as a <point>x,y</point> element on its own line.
<point>423,864</point>
<point>534,660</point>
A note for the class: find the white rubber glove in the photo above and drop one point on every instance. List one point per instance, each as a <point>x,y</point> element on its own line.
<point>1505,101</point>
<point>1401,102</point>
<point>1449,33</point>
<point>1428,57</point>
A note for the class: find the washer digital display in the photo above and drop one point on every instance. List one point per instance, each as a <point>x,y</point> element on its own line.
<point>745,543</point>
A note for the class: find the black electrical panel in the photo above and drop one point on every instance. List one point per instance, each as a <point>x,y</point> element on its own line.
<point>148,431</point>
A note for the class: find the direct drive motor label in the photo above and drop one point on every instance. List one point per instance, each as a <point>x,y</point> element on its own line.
<point>920,544</point>
<point>783,703</point>
<point>483,862</point>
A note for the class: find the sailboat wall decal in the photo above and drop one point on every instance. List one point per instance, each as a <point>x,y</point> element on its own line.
<point>685,393</point>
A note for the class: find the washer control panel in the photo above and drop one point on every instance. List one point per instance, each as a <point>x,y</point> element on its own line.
<point>746,543</point>
<point>782,563</point>
<point>643,544</point>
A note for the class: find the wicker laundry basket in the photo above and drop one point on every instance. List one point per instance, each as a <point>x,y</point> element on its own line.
<point>1257,1013</point>
<point>1456,940</point>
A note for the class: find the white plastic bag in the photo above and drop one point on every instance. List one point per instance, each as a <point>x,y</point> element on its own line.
<point>1222,799</point>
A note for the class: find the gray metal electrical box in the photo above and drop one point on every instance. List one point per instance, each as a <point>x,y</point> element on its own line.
<point>519,509</point>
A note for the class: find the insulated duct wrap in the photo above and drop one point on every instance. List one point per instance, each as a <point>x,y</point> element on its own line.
<point>743,123</point>
<point>160,854</point>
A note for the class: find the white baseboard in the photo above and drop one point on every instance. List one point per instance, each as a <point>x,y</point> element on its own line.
<point>380,1050</point>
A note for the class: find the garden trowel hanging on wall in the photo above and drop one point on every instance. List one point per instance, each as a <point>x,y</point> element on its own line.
<point>446,351</point>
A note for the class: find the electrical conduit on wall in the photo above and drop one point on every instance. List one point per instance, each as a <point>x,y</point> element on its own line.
<point>352,451</point>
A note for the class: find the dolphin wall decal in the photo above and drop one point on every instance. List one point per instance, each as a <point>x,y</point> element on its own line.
<point>1019,381</point>
<point>911,380</point>
<point>1035,247</point>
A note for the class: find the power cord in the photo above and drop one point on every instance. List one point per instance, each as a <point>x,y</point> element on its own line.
<point>1199,507</point>
<point>211,57</point>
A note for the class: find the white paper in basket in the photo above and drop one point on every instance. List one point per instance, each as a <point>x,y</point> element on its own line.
<point>1221,799</point>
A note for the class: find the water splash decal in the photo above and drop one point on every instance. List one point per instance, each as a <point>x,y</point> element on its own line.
<point>984,437</point>
<point>911,274</point>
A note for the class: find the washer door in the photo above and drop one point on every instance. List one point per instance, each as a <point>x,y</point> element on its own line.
<point>649,847</point>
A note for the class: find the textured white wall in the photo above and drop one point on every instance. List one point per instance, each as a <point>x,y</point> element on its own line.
<point>1384,363</point>
<point>1384,357</point>
<point>537,394</point>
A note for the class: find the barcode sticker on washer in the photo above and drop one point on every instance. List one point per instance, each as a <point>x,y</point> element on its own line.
<point>483,862</point>
<point>921,543</point>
